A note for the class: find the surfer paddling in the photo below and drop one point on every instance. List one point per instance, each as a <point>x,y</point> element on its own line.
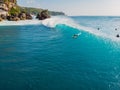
<point>117,35</point>
<point>115,29</point>
<point>98,28</point>
<point>75,36</point>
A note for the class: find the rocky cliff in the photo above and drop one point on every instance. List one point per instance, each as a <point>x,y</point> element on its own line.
<point>9,10</point>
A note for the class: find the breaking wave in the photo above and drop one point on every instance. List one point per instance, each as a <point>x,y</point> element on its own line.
<point>57,20</point>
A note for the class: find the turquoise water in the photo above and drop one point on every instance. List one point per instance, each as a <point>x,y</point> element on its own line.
<point>36,57</point>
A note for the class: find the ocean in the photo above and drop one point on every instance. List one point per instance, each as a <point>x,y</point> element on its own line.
<point>44,55</point>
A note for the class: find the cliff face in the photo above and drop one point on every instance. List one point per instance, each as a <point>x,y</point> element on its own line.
<point>7,5</point>
<point>11,11</point>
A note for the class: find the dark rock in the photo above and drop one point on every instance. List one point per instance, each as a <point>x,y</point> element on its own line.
<point>13,17</point>
<point>8,18</point>
<point>28,16</point>
<point>22,16</point>
<point>43,15</point>
<point>3,16</point>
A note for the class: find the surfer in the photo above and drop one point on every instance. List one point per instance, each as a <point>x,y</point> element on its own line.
<point>117,35</point>
<point>98,28</point>
<point>76,35</point>
<point>115,29</point>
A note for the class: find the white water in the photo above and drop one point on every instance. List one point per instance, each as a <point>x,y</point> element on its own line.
<point>20,23</point>
<point>52,22</point>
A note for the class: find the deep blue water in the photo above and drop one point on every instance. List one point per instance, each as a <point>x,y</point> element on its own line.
<point>36,57</point>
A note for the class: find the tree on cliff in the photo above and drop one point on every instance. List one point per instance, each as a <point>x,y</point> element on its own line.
<point>14,10</point>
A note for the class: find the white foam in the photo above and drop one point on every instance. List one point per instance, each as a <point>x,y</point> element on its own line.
<point>20,23</point>
<point>52,22</point>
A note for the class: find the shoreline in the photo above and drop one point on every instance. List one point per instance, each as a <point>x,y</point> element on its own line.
<point>20,22</point>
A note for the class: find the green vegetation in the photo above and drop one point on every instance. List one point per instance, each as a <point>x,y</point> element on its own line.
<point>14,10</point>
<point>35,11</point>
<point>6,0</point>
<point>56,13</point>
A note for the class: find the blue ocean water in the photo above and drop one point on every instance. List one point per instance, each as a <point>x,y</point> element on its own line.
<point>46,56</point>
